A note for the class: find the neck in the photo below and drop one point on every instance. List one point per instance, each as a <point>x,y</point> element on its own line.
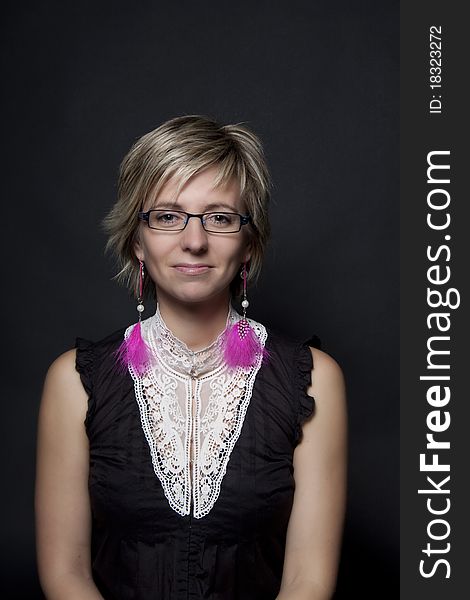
<point>197,324</point>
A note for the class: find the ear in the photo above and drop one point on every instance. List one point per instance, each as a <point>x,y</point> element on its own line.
<point>248,251</point>
<point>138,250</point>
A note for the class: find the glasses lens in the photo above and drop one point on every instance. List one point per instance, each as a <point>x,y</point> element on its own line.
<point>166,219</point>
<point>222,222</point>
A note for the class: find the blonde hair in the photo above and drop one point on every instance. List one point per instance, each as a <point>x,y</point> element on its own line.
<point>180,148</point>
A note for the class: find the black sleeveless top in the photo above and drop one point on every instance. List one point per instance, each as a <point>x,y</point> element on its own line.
<point>141,548</point>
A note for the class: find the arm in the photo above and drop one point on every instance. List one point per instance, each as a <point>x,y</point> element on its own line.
<point>63,518</point>
<point>316,522</point>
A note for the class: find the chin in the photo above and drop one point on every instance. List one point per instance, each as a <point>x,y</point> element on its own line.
<point>198,293</point>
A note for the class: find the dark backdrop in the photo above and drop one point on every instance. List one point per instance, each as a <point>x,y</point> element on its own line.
<point>318,81</point>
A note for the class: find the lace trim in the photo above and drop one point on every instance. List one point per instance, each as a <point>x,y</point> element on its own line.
<point>176,353</point>
<point>164,396</point>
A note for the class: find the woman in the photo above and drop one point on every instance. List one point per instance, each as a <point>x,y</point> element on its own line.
<point>181,457</point>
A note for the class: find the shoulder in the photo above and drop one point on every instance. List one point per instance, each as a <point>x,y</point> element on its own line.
<point>281,342</point>
<point>62,369</point>
<point>328,386</point>
<point>67,370</point>
<point>324,365</point>
<point>103,344</point>
<point>288,361</point>
<point>325,368</point>
<point>63,397</point>
<point>91,355</point>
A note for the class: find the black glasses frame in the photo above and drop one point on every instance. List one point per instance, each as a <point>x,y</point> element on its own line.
<point>145,216</point>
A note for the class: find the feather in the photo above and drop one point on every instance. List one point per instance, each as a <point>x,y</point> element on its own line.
<point>242,346</point>
<point>134,351</point>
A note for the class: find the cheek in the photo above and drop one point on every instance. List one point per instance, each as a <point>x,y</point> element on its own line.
<point>155,250</point>
<point>235,255</point>
<point>239,249</point>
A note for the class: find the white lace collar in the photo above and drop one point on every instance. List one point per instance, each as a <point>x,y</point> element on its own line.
<point>192,408</point>
<point>176,354</point>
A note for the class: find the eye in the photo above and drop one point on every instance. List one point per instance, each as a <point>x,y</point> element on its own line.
<point>220,219</point>
<point>166,218</point>
<point>163,218</point>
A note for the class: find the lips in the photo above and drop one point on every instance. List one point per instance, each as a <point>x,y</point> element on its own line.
<point>192,269</point>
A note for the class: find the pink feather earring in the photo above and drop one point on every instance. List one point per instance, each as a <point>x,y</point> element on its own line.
<point>133,349</point>
<point>241,344</point>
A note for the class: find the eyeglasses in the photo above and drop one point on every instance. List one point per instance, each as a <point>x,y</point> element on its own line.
<point>176,220</point>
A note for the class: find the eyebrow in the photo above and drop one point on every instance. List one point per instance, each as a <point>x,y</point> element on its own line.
<point>214,205</point>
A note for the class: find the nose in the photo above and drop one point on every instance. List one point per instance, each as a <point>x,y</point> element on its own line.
<point>194,236</point>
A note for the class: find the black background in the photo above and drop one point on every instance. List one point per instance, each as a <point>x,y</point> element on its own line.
<point>318,81</point>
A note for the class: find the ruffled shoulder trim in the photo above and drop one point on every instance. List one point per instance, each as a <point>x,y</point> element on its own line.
<point>84,362</point>
<point>303,371</point>
<point>314,341</point>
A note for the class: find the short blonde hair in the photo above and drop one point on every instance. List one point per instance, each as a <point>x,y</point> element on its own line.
<point>180,148</point>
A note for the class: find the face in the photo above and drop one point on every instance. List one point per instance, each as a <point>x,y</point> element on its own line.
<point>166,254</point>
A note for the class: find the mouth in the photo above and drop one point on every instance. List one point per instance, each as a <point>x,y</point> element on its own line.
<point>189,269</point>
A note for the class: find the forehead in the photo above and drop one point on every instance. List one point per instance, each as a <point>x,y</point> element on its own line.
<point>199,192</point>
